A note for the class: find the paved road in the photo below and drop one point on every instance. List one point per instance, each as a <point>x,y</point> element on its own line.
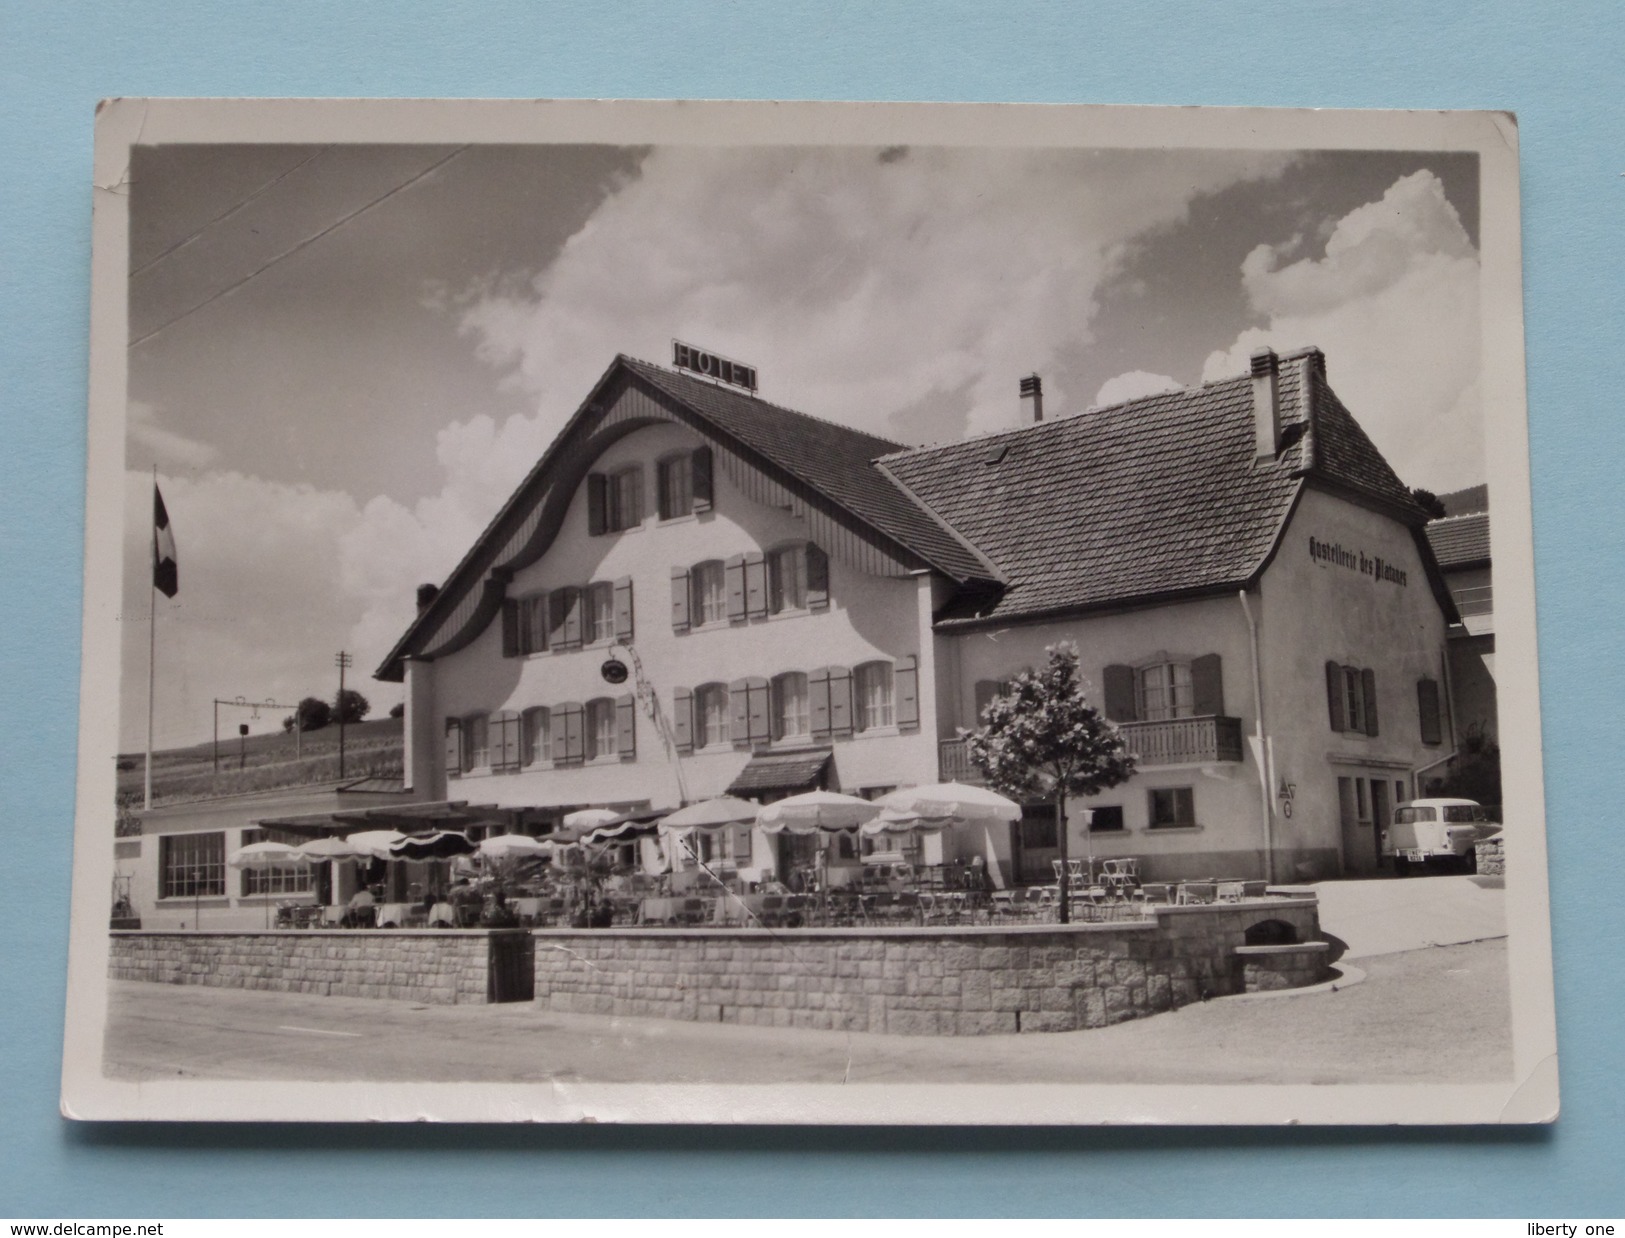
<point>1435,1015</point>
<point>1385,915</point>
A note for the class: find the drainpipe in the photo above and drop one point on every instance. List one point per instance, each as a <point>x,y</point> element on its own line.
<point>1265,804</point>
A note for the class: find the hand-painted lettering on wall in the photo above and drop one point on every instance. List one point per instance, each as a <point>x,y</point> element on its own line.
<point>1337,555</point>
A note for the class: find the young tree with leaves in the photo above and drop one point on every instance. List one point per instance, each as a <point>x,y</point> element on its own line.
<point>1043,738</point>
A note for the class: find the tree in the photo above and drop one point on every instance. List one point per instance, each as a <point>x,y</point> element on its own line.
<point>312,714</point>
<point>398,709</point>
<point>1042,738</point>
<point>1429,502</point>
<point>349,707</point>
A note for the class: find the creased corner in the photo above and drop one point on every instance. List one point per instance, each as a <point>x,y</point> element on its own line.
<point>1536,1100</point>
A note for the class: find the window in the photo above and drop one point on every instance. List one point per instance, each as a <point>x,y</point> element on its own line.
<point>676,486</point>
<point>711,715</point>
<point>710,593</point>
<point>1411,816</point>
<point>533,623</point>
<point>537,736</point>
<point>564,618</point>
<point>279,879</point>
<point>625,499</point>
<point>1107,819</point>
<point>792,716</point>
<point>190,865</point>
<point>598,625</point>
<point>476,742</point>
<point>1165,692</point>
<point>505,742</point>
<point>1351,698</point>
<point>601,728</point>
<point>1428,713</point>
<point>873,684</point>
<point>787,579</point>
<point>1172,808</point>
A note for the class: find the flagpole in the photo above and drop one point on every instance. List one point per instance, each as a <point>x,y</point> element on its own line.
<point>152,642</point>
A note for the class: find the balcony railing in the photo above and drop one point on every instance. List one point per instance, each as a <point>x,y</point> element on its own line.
<point>1179,741</point>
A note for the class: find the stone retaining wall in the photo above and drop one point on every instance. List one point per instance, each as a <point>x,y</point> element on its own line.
<point>1491,857</point>
<point>919,981</point>
<point>440,967</point>
<point>1268,968</point>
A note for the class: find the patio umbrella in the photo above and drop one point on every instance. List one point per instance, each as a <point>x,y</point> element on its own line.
<point>952,802</point>
<point>816,811</point>
<point>712,814</point>
<point>332,848</point>
<point>440,845</point>
<point>590,818</point>
<point>514,846</point>
<point>375,844</point>
<point>261,856</point>
<point>891,821</point>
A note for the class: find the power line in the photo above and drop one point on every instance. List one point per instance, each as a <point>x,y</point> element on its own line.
<point>187,240</point>
<point>304,244</point>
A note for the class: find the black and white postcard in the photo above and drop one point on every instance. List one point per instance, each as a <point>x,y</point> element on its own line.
<point>807,613</point>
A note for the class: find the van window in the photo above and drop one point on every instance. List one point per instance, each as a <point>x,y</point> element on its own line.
<point>1463,812</point>
<point>1410,816</point>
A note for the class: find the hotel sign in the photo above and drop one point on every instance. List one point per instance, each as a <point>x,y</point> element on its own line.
<point>1356,561</point>
<point>710,365</point>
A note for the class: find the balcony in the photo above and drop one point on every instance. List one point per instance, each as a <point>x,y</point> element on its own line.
<point>1180,741</point>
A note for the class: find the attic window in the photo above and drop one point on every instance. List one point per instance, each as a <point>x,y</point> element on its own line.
<point>997,454</point>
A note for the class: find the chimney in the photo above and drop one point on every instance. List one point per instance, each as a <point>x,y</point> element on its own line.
<point>1032,388</point>
<point>1266,367</point>
<point>426,596</point>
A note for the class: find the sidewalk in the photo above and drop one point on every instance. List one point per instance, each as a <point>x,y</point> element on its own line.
<point>1386,916</point>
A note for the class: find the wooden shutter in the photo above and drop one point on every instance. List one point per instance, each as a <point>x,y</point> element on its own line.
<point>1207,685</point>
<point>755,584</point>
<point>733,573</point>
<point>454,746</point>
<point>818,702</point>
<point>757,714</point>
<point>623,609</point>
<point>817,578</point>
<point>1334,696</point>
<point>681,590</point>
<point>840,700</point>
<point>1119,682</point>
<point>510,628</point>
<point>739,712</point>
<point>682,719</point>
<point>505,740</point>
<point>1427,708</point>
<point>1368,690</point>
<point>572,617</point>
<point>597,503</point>
<point>626,727</point>
<point>700,478</point>
<point>574,732</point>
<point>741,846</point>
<point>906,691</point>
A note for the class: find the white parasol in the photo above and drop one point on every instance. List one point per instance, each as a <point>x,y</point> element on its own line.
<point>813,812</point>
<point>260,856</point>
<point>590,818</point>
<point>712,814</point>
<point>514,846</point>
<point>950,803</point>
<point>332,848</point>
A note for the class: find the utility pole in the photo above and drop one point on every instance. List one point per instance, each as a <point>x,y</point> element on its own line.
<point>343,661</point>
<point>243,702</point>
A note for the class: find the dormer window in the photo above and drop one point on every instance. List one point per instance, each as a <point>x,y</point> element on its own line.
<point>614,500</point>
<point>683,482</point>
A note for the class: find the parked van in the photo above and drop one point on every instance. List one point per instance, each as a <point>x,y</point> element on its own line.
<point>1437,834</point>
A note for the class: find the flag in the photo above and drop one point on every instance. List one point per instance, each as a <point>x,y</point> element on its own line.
<point>164,576</point>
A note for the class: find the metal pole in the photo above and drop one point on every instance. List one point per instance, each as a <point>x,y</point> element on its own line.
<point>152,645</point>
<point>215,751</point>
<point>343,660</point>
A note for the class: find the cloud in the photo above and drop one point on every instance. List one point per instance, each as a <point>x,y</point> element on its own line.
<point>1132,386</point>
<point>264,602</point>
<point>1393,302</point>
<point>168,448</point>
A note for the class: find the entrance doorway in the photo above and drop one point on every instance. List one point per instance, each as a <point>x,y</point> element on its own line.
<point>1363,811</point>
<point>1035,844</point>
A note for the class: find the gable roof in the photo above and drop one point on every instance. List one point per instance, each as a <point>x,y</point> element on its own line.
<point>1461,541</point>
<point>1145,500</point>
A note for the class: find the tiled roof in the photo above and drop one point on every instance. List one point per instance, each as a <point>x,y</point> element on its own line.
<point>1153,497</point>
<point>834,460</point>
<point>1459,541</point>
<point>788,771</point>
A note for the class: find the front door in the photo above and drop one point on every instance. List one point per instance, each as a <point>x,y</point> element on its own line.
<point>1362,843</point>
<point>1036,845</point>
<point>1381,818</point>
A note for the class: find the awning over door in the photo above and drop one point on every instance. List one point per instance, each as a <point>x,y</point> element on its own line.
<point>784,772</point>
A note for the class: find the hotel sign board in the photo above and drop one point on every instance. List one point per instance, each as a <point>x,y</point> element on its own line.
<point>710,365</point>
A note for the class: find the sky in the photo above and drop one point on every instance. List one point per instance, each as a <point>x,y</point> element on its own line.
<point>344,359</point>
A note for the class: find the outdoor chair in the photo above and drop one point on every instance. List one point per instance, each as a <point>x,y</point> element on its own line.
<point>1157,892</point>
<point>1229,892</point>
<point>1077,874</point>
<point>529,910</point>
<point>693,911</point>
<point>1254,889</point>
<point>333,916</point>
<point>1196,892</point>
<point>772,911</point>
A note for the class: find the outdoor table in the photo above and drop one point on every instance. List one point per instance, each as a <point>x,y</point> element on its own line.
<point>667,909</point>
<point>738,909</point>
<point>442,915</point>
<point>393,915</point>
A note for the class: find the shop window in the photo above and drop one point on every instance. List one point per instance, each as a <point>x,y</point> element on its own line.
<point>711,715</point>
<point>1351,698</point>
<point>872,684</point>
<point>601,728</point>
<point>537,735</point>
<point>1107,819</point>
<point>1171,808</point>
<point>191,865</point>
<point>792,716</point>
<point>710,591</point>
<point>278,879</point>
